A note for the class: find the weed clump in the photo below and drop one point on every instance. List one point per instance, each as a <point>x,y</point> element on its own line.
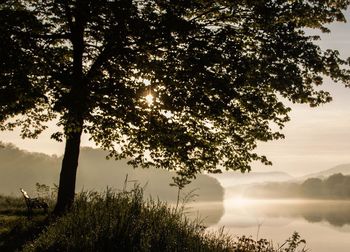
<point>124,222</point>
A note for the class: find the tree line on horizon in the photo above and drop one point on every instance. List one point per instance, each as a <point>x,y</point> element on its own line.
<point>336,186</point>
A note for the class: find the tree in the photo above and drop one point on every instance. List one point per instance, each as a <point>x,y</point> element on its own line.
<point>214,71</point>
<point>313,187</point>
<point>336,185</point>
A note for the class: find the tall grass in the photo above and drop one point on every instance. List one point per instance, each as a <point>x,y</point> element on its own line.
<point>117,221</point>
<point>124,221</point>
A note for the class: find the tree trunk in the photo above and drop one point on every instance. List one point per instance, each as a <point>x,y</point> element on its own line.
<point>76,109</point>
<point>66,189</point>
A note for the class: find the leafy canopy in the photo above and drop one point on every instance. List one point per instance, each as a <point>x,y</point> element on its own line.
<point>216,71</point>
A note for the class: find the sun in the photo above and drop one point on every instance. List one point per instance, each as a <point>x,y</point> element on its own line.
<point>149,99</point>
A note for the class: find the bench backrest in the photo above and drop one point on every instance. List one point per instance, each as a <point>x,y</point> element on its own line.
<point>25,194</point>
<point>34,202</point>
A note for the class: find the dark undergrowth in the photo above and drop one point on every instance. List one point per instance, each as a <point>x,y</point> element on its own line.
<point>120,221</point>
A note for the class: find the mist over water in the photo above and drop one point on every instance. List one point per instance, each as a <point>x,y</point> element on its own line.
<point>324,224</point>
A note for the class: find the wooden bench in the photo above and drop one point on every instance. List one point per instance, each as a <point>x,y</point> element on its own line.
<point>33,203</point>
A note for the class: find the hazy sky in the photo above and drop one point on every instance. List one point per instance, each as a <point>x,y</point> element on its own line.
<point>316,138</point>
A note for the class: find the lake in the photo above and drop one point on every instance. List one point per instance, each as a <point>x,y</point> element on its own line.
<point>324,224</point>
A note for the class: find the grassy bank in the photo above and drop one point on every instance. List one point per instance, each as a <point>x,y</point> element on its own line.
<point>118,221</point>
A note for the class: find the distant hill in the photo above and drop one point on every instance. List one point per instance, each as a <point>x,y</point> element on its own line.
<point>235,178</point>
<point>19,168</point>
<point>228,179</point>
<point>333,183</point>
<point>95,170</point>
<point>343,168</point>
<point>336,186</point>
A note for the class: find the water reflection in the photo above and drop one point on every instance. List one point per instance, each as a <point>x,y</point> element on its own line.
<point>243,212</point>
<point>336,213</point>
<point>209,213</point>
<point>325,225</point>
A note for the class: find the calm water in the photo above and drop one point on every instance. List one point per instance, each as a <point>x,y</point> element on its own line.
<point>325,225</point>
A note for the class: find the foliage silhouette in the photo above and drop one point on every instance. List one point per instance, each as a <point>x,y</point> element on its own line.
<point>216,70</point>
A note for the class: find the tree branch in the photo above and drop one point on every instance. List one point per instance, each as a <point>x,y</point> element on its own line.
<point>208,12</point>
<point>100,59</point>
